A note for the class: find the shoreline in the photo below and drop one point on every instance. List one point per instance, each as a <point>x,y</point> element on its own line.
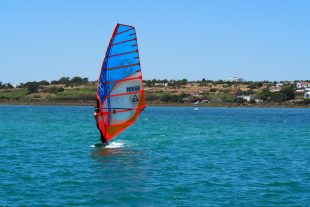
<point>92,103</point>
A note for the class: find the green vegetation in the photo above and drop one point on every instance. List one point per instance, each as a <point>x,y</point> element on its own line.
<point>289,92</point>
<point>77,93</point>
<point>255,85</point>
<point>32,87</point>
<point>285,94</point>
<point>13,94</point>
<point>54,89</point>
<point>166,97</point>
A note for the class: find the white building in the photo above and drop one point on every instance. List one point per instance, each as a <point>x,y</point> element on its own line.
<point>161,84</point>
<point>300,90</point>
<point>196,95</point>
<point>307,95</point>
<point>246,98</point>
<point>274,89</point>
<point>302,85</point>
<point>235,79</point>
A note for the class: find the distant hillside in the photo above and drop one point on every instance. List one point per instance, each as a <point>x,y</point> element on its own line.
<point>79,90</point>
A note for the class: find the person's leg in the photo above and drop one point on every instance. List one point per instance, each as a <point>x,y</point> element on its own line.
<point>102,138</point>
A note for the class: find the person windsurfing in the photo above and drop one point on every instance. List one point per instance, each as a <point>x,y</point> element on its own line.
<point>120,94</point>
<point>96,116</point>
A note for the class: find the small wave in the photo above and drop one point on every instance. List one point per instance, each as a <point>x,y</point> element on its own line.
<point>111,145</point>
<point>116,144</point>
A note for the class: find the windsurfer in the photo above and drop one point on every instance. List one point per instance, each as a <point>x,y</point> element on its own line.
<point>120,94</point>
<point>96,115</point>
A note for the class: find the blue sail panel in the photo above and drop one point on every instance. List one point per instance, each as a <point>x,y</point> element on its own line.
<point>123,60</point>
<point>124,47</point>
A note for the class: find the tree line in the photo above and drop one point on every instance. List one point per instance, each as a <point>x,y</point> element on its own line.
<point>63,80</point>
<point>35,86</point>
<point>6,85</point>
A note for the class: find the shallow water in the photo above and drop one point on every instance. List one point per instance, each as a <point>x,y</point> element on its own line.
<point>172,156</point>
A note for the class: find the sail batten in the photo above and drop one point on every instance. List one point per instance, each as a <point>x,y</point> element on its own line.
<point>127,79</point>
<point>120,89</point>
<point>124,53</point>
<point>123,66</point>
<point>124,31</point>
<point>127,93</point>
<point>118,43</point>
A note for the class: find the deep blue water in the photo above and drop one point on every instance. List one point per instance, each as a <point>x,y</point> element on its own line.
<point>171,157</point>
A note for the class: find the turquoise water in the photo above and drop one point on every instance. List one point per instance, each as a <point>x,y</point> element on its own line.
<point>170,157</point>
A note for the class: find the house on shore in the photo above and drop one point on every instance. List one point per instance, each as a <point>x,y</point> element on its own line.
<point>279,85</point>
<point>259,101</point>
<point>161,84</point>
<point>247,98</point>
<point>275,88</point>
<point>307,95</point>
<point>302,85</point>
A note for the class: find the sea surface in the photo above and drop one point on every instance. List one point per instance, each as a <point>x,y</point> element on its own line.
<point>172,156</point>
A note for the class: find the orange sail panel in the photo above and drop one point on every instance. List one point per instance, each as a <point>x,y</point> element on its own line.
<point>120,91</point>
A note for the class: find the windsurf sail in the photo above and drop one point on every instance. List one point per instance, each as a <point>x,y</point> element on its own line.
<point>120,93</point>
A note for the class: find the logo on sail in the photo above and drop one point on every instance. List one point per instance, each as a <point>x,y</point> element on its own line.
<point>134,98</point>
<point>133,88</point>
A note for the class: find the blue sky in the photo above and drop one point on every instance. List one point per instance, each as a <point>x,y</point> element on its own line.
<point>256,40</point>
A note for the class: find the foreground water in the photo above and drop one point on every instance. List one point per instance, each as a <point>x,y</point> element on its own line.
<point>170,157</point>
